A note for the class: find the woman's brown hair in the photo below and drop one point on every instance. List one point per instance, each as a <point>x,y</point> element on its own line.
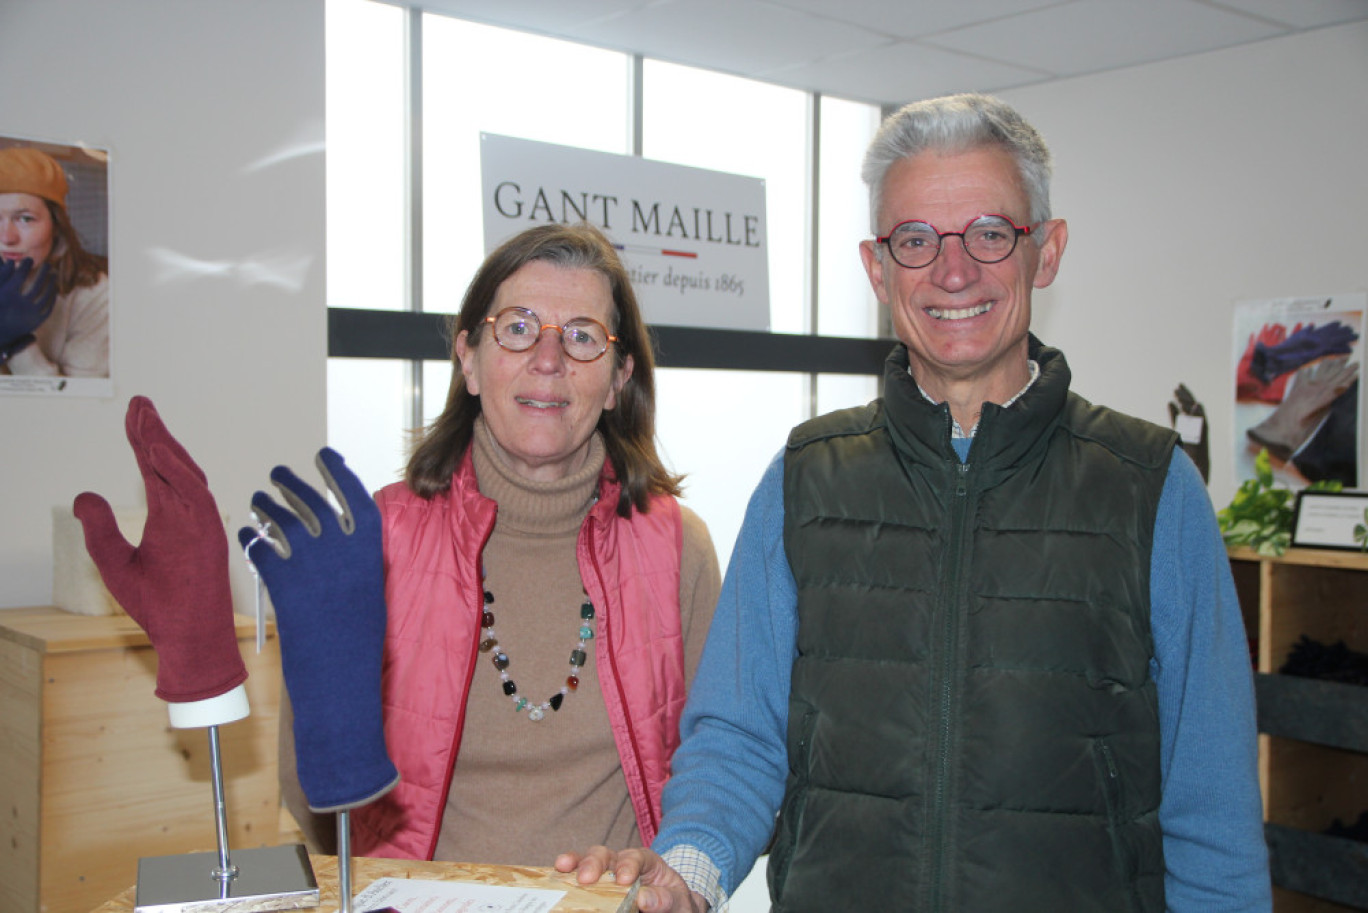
<point>628,430</point>
<point>72,264</point>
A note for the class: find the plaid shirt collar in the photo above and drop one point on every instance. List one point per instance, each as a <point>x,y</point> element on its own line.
<point>956,431</point>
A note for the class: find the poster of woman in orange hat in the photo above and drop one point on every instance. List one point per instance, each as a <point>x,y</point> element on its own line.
<point>54,269</point>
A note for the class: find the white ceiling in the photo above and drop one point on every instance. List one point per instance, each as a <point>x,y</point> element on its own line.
<point>893,51</point>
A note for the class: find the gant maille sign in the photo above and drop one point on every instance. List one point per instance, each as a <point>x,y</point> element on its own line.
<point>692,240</point>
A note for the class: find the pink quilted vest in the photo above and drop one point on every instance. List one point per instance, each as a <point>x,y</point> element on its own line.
<point>630,569</point>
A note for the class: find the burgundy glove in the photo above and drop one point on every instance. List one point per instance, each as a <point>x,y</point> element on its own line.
<point>175,583</point>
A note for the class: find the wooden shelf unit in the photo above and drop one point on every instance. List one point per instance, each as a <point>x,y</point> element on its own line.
<point>1313,742</point>
<point>93,777</point>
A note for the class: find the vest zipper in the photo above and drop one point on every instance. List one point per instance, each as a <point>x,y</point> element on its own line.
<point>947,673</point>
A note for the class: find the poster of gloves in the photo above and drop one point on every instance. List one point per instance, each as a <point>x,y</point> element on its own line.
<point>1297,365</point>
<point>54,269</point>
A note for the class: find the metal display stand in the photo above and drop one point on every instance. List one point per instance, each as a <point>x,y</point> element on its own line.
<point>344,868</point>
<point>261,879</point>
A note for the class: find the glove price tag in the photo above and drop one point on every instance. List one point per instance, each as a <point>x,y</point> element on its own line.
<point>1189,428</point>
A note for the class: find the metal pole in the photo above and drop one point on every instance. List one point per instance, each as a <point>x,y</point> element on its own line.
<point>344,874</point>
<point>226,871</point>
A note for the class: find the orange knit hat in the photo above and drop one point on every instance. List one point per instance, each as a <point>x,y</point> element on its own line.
<point>27,170</point>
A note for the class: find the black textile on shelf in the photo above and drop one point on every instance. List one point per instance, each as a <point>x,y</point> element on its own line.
<point>1334,662</point>
<point>1356,831</point>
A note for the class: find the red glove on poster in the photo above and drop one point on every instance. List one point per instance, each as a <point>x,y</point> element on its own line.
<point>175,582</point>
<point>1252,389</point>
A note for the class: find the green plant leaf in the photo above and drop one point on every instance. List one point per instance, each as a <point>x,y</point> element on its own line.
<point>1260,515</point>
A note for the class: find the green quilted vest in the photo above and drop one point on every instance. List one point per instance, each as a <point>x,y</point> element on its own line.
<point>972,725</point>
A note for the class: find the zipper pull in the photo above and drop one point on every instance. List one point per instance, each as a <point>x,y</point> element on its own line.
<point>1111,762</point>
<point>961,483</point>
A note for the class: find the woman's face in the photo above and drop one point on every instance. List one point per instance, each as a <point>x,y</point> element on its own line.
<point>541,405</point>
<point>26,229</point>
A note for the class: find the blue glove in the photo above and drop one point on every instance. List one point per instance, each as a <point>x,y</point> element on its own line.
<point>326,576</point>
<point>1305,345</point>
<point>23,310</point>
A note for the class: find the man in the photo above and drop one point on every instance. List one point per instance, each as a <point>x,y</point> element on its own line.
<point>978,647</point>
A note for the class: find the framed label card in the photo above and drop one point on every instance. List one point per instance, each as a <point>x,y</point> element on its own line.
<point>1331,519</point>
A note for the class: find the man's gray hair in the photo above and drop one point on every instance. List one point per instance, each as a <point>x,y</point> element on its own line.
<point>959,123</point>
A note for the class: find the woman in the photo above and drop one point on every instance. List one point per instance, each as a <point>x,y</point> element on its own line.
<point>72,338</point>
<point>547,596</point>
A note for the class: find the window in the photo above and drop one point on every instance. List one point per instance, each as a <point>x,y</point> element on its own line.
<point>404,227</point>
<point>512,99</point>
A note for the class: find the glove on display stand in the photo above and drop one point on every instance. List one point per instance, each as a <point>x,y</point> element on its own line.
<point>324,570</point>
<point>174,584</point>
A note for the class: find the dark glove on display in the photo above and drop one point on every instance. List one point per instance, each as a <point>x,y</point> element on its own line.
<point>1304,345</point>
<point>23,310</point>
<point>1332,452</point>
<point>1314,389</point>
<point>326,576</point>
<point>175,582</point>
<point>1184,403</point>
<point>1249,388</point>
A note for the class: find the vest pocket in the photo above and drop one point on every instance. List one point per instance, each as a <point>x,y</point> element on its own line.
<point>1118,821</point>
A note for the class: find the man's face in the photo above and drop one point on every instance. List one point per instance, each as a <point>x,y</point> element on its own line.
<point>962,320</point>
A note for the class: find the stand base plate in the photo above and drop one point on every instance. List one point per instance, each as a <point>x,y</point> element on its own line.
<point>268,878</point>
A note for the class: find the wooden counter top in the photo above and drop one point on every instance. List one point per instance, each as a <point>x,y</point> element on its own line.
<point>604,897</point>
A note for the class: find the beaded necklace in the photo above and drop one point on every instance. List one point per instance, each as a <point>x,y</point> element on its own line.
<point>489,642</point>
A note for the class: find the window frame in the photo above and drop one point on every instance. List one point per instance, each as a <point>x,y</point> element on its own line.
<point>415,335</point>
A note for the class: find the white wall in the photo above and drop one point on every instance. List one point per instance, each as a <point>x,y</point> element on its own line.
<point>1188,185</point>
<point>212,111</point>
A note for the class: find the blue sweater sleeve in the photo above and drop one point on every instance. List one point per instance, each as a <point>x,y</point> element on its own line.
<point>728,773</point>
<point>1211,812</point>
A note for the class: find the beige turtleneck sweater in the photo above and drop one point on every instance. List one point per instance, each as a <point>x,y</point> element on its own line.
<point>524,791</point>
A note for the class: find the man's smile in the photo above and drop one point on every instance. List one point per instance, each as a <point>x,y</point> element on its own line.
<point>960,313</point>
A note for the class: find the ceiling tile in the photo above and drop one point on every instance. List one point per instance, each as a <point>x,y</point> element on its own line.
<point>1302,14</point>
<point>906,71</point>
<point>914,18</point>
<point>889,51</point>
<point>1095,35</point>
<point>748,38</point>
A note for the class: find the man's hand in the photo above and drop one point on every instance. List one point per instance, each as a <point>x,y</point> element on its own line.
<point>661,890</point>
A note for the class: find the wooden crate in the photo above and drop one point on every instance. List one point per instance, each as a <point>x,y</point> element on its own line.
<point>93,777</point>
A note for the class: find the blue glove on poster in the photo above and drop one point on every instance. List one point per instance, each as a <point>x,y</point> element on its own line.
<point>1305,345</point>
<point>326,576</point>
<point>23,310</point>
